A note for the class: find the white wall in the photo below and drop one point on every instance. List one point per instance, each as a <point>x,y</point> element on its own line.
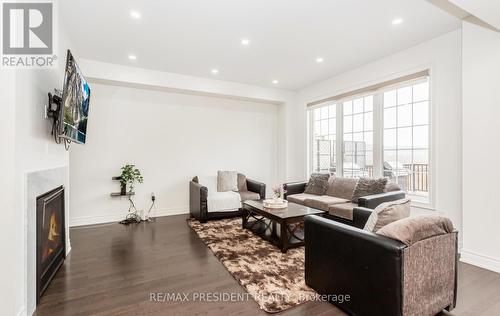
<point>170,137</point>
<point>9,231</point>
<point>34,149</point>
<point>443,56</point>
<point>481,130</point>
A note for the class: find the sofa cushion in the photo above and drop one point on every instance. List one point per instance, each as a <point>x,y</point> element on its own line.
<point>387,213</point>
<point>368,186</point>
<point>318,184</point>
<point>223,201</point>
<point>322,202</point>
<point>248,195</point>
<point>299,198</point>
<point>227,181</point>
<point>341,187</point>
<point>412,229</point>
<point>242,182</point>
<point>343,210</point>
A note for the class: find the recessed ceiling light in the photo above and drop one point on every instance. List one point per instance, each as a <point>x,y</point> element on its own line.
<point>397,21</point>
<point>275,81</point>
<point>135,14</point>
<point>132,57</point>
<point>319,60</point>
<point>245,41</point>
<point>215,71</point>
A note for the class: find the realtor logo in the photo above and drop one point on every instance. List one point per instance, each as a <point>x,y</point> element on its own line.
<point>28,34</point>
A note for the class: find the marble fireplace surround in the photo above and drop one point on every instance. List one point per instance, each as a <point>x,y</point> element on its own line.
<point>38,183</point>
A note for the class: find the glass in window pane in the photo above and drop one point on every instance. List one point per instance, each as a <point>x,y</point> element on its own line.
<point>404,115</point>
<point>390,158</point>
<point>390,139</point>
<point>347,107</point>
<point>332,126</point>
<point>357,137</point>
<point>324,163</point>
<point>332,110</point>
<point>324,112</point>
<point>421,156</point>
<point>368,138</point>
<point>348,123</point>
<point>358,122</point>
<point>348,137</point>
<point>421,137</point>
<point>404,95</point>
<point>404,138</point>
<point>389,117</point>
<point>369,103</point>
<point>389,98</point>
<point>404,158</point>
<point>421,92</point>
<point>316,128</point>
<point>421,113</point>
<point>317,114</point>
<point>369,159</point>
<point>324,127</point>
<point>368,121</point>
<point>358,105</point>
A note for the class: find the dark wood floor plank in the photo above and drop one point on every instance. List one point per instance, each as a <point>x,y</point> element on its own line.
<point>112,269</point>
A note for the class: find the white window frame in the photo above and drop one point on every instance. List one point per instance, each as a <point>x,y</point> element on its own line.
<point>378,134</point>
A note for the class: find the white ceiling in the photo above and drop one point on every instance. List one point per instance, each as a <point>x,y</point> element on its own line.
<point>194,36</point>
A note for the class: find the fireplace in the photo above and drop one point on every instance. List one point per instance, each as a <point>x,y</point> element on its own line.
<point>50,237</point>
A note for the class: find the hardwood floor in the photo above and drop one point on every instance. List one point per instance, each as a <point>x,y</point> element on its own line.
<point>113,269</point>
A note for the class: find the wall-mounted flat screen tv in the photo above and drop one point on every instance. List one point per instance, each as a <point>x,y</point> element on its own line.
<point>75,104</point>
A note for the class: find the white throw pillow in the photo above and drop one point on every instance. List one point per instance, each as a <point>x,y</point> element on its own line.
<point>387,213</point>
<point>227,181</point>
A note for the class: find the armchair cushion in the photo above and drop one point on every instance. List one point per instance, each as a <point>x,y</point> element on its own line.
<point>242,182</point>
<point>413,229</point>
<point>248,195</point>
<point>387,213</point>
<point>223,201</point>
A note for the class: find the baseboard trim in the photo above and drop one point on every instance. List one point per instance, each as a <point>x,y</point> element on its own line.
<point>109,218</point>
<point>479,260</point>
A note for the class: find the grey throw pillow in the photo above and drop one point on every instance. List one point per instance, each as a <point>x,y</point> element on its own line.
<point>387,213</point>
<point>318,184</point>
<point>413,229</point>
<point>227,181</point>
<point>368,186</point>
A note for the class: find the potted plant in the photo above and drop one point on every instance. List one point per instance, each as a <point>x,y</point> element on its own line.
<point>130,175</point>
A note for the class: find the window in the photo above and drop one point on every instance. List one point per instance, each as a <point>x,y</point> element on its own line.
<point>324,131</point>
<point>358,137</point>
<point>406,137</point>
<point>383,131</point>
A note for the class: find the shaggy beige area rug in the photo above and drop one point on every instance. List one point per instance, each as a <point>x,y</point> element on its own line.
<point>273,279</point>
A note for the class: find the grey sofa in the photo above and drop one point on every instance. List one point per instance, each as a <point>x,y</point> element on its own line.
<point>198,198</point>
<point>337,201</point>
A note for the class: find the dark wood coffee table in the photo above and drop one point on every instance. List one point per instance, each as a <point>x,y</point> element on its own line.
<point>263,221</point>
